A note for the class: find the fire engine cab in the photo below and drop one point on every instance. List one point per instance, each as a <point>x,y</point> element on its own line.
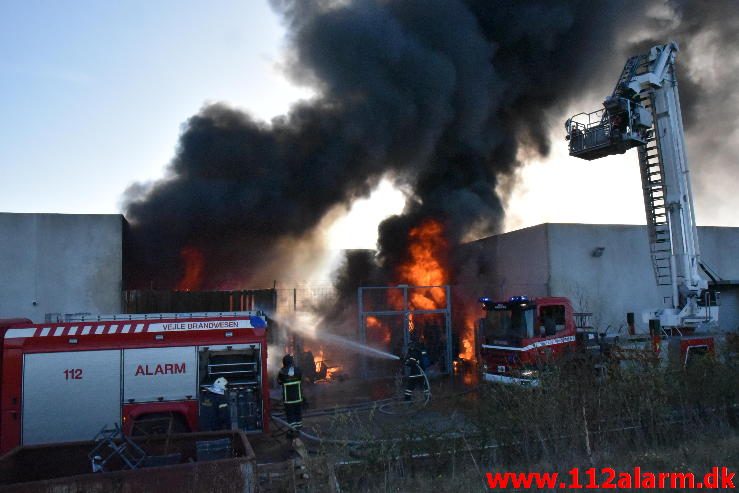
<point>522,336</point>
<point>65,381</point>
<point>518,334</point>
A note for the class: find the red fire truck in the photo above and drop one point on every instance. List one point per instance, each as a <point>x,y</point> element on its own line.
<point>521,336</point>
<point>65,381</point>
<point>519,333</point>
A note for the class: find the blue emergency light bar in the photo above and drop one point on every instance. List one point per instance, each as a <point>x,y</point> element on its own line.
<point>489,304</point>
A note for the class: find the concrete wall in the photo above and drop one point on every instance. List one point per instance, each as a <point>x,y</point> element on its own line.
<point>720,250</point>
<point>60,263</point>
<point>729,314</point>
<point>506,265</point>
<point>621,280</point>
<point>557,260</point>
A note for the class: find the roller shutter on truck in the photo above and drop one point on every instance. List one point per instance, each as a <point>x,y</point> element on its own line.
<point>70,396</point>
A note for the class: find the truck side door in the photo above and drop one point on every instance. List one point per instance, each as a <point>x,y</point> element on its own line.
<point>70,396</point>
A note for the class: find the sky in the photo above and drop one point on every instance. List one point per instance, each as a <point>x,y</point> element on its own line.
<point>94,93</point>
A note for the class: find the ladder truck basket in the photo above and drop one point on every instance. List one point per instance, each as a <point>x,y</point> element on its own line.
<point>622,124</point>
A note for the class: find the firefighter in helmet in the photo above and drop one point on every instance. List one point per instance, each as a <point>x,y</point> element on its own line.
<point>416,360</point>
<point>290,377</point>
<point>215,413</point>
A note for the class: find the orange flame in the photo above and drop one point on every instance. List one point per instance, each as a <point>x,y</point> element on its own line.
<point>428,252</point>
<point>320,362</point>
<point>468,333</point>
<point>377,328</point>
<point>467,351</point>
<point>194,267</point>
<point>427,266</point>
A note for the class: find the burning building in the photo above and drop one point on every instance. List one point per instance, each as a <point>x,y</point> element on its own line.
<point>443,98</point>
<point>439,97</point>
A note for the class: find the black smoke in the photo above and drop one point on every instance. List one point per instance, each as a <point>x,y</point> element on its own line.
<point>708,77</point>
<point>442,96</point>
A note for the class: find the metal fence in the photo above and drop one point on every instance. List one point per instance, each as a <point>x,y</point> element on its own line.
<point>389,317</point>
<point>156,301</point>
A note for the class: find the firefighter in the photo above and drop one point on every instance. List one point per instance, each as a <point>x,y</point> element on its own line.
<point>215,413</point>
<point>416,360</point>
<point>290,377</point>
<point>307,363</point>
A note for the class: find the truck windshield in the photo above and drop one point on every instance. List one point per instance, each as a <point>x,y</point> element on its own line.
<point>509,325</point>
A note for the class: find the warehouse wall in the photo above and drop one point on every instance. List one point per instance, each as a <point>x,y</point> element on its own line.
<point>506,265</point>
<point>620,280</point>
<point>729,314</point>
<point>60,263</point>
<point>720,250</point>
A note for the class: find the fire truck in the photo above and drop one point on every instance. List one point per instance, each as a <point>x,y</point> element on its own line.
<point>642,112</point>
<point>518,334</point>
<point>65,381</point>
<point>521,337</point>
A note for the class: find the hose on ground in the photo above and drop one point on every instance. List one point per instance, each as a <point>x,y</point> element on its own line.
<point>387,408</point>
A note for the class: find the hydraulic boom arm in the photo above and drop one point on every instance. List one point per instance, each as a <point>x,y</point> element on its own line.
<point>644,112</point>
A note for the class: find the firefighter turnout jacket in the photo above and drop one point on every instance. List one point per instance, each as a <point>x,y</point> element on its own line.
<point>214,411</point>
<point>417,361</point>
<point>291,380</point>
<point>416,357</point>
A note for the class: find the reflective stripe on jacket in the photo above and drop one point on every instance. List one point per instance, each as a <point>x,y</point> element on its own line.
<point>291,392</point>
<point>291,385</point>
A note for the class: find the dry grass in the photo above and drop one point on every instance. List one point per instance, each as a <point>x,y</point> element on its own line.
<point>643,416</point>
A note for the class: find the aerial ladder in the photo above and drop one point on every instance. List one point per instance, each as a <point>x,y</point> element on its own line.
<point>644,112</point>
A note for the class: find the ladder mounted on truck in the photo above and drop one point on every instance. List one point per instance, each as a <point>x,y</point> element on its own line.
<point>644,112</point>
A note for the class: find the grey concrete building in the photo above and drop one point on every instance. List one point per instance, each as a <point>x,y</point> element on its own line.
<point>60,263</point>
<point>603,269</point>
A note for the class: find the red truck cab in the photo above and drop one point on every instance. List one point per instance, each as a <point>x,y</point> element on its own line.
<point>519,334</point>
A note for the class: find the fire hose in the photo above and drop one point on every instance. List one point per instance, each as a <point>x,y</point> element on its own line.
<point>387,407</point>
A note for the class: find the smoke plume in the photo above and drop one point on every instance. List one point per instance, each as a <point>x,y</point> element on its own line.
<point>442,96</point>
<point>708,75</point>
